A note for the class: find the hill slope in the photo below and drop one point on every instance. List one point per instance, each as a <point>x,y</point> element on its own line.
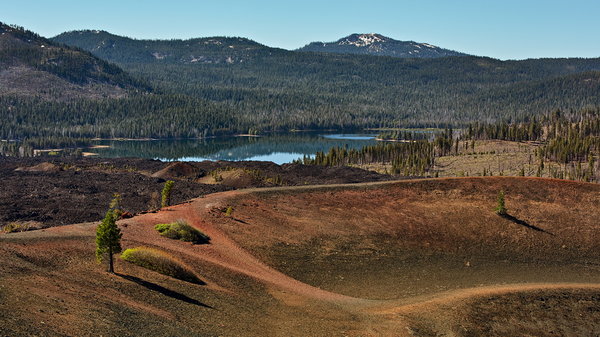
<point>212,50</point>
<point>34,66</point>
<point>412,258</point>
<point>376,44</point>
<point>274,89</point>
<point>50,91</point>
<point>225,85</point>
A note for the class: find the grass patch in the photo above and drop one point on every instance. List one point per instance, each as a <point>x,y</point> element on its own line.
<point>15,227</point>
<point>160,262</point>
<point>180,230</point>
<point>256,174</point>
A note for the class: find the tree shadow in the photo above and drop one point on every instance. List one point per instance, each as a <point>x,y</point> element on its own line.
<point>524,223</point>
<point>163,290</point>
<point>240,221</point>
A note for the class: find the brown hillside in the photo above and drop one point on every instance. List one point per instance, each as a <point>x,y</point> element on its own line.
<point>178,170</point>
<point>420,258</point>
<point>442,233</point>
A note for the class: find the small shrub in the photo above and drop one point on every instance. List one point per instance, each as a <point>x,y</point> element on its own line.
<point>160,262</point>
<point>180,230</point>
<point>20,226</point>
<point>14,227</point>
<point>216,174</point>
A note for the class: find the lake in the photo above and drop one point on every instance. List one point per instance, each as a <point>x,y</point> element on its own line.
<point>278,148</point>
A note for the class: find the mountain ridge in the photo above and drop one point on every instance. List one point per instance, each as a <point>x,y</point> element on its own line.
<point>266,86</point>
<point>379,45</point>
<point>201,50</point>
<point>262,89</point>
<point>32,65</point>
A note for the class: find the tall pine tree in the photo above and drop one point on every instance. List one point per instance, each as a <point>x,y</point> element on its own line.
<point>108,235</point>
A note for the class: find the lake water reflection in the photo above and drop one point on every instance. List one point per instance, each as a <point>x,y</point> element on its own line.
<point>279,148</point>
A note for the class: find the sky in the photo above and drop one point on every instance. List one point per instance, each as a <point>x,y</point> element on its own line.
<point>508,29</point>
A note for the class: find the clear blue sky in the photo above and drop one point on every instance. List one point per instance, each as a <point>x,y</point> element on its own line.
<point>508,29</point>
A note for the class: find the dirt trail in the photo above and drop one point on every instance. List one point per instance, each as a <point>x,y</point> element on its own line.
<point>452,298</point>
<point>226,253</point>
<point>207,215</point>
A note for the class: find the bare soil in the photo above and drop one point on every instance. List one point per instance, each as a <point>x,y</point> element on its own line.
<point>426,235</point>
<point>410,258</point>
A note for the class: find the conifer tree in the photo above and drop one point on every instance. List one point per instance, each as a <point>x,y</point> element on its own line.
<point>108,235</point>
<point>501,207</point>
<point>166,193</point>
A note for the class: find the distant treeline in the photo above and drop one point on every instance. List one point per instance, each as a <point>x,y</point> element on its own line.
<point>27,146</point>
<point>405,135</point>
<point>137,116</point>
<point>567,137</point>
<point>410,158</point>
<point>571,139</point>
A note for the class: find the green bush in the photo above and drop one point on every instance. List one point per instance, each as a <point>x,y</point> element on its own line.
<point>160,262</point>
<point>180,230</point>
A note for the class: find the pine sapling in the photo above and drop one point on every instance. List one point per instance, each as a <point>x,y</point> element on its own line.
<point>501,207</point>
<point>166,193</point>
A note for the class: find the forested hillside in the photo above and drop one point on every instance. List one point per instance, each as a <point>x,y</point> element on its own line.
<point>220,85</point>
<point>50,93</point>
<point>121,49</point>
<point>31,65</point>
<point>270,88</point>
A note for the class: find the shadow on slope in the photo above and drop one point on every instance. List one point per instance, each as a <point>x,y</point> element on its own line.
<point>164,291</point>
<point>524,223</point>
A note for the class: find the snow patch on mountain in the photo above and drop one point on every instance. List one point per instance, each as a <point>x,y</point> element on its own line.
<point>377,44</point>
<point>213,41</point>
<point>363,40</point>
<point>159,56</point>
